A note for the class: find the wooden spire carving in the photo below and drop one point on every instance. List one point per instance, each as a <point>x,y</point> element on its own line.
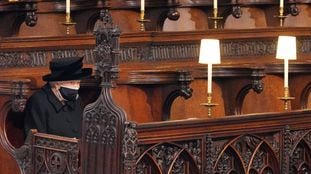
<point>103,121</point>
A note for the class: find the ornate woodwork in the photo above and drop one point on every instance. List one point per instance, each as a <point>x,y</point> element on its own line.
<point>85,13</point>
<point>157,68</point>
<point>18,89</point>
<point>13,14</point>
<point>14,93</point>
<point>44,153</point>
<point>153,46</point>
<point>103,121</point>
<point>168,52</point>
<point>246,144</point>
<point>130,148</point>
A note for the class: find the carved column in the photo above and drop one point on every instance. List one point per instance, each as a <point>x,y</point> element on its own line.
<point>103,121</point>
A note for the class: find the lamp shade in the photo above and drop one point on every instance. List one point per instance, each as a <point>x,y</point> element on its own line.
<point>286,48</point>
<point>209,51</point>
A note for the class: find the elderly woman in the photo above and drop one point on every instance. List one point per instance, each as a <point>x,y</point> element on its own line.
<point>56,108</point>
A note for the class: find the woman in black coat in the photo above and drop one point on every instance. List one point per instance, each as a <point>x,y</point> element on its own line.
<point>56,108</point>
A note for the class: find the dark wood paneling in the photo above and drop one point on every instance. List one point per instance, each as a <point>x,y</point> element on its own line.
<point>258,142</point>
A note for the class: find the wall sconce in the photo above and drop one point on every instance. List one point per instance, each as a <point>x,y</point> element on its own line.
<point>209,54</point>
<point>286,49</point>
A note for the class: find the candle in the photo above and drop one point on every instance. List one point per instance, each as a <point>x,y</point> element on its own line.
<point>285,73</point>
<point>281,3</point>
<point>142,5</point>
<point>68,6</point>
<point>215,3</point>
<point>209,78</point>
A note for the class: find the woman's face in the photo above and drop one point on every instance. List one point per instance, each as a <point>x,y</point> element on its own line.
<point>72,84</point>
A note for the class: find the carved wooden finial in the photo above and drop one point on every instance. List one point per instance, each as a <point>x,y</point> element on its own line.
<point>103,121</point>
<point>107,49</point>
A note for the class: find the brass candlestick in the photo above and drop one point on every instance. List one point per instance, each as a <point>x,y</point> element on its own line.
<point>215,18</point>
<point>68,23</point>
<point>286,98</point>
<point>281,16</point>
<point>142,20</point>
<point>209,104</point>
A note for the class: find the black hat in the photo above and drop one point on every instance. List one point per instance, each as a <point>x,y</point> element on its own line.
<point>64,69</point>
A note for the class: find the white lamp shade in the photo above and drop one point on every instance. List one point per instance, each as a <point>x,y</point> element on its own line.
<point>209,51</point>
<point>286,48</point>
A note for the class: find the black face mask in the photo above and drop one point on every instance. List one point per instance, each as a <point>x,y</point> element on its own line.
<point>68,93</point>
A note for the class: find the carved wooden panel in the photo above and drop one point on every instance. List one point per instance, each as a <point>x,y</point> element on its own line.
<point>278,144</point>
<point>142,47</point>
<point>44,153</point>
<point>298,143</point>
<point>247,154</point>
<point>171,157</point>
<point>103,121</point>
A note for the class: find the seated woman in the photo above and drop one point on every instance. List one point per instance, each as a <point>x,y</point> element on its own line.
<point>56,108</point>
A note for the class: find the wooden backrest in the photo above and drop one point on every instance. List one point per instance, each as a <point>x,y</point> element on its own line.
<point>46,153</point>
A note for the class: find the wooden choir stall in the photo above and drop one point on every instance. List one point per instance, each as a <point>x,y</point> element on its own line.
<point>143,110</point>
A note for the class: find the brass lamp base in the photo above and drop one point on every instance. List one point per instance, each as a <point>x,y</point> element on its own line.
<point>281,16</point>
<point>215,19</point>
<point>282,19</point>
<point>142,23</point>
<point>209,104</point>
<point>68,23</point>
<point>286,99</point>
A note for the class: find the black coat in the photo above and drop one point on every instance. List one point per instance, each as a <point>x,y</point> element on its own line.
<point>47,114</point>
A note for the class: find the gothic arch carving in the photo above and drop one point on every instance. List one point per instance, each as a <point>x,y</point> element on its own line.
<point>300,155</point>
<point>168,158</point>
<point>247,153</point>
